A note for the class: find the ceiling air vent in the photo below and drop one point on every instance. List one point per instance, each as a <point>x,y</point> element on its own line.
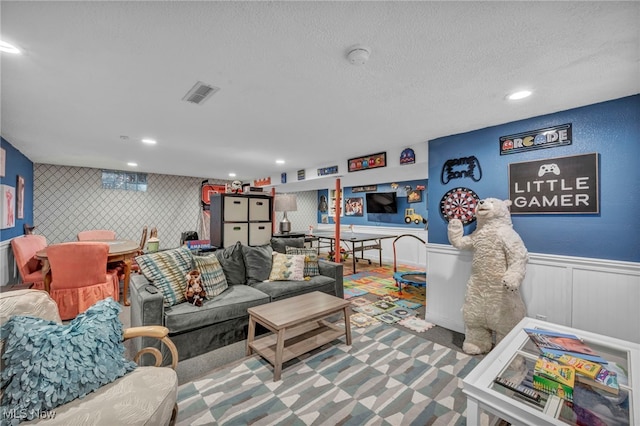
<point>200,93</point>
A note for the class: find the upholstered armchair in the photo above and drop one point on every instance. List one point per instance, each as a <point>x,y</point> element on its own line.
<point>96,234</point>
<point>141,396</point>
<point>79,276</point>
<point>24,250</point>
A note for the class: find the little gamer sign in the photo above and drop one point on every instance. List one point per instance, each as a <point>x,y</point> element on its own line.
<point>559,185</point>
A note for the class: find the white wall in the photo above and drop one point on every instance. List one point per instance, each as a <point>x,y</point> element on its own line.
<point>600,296</point>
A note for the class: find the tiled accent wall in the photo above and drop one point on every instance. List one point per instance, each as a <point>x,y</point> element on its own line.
<point>71,199</point>
<point>307,203</point>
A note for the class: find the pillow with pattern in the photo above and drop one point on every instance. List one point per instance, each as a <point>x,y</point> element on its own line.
<point>166,270</point>
<point>49,364</point>
<point>211,273</point>
<point>287,267</point>
<point>311,267</point>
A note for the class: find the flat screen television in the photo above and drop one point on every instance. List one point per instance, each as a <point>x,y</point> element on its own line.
<point>381,202</point>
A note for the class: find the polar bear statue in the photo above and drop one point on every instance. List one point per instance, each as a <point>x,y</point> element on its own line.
<point>492,302</point>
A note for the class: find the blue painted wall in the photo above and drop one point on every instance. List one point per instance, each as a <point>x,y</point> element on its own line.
<point>377,219</point>
<point>17,164</point>
<point>612,129</point>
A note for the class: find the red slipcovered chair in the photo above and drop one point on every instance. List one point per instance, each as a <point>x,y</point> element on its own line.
<point>96,234</point>
<point>30,268</point>
<point>79,276</point>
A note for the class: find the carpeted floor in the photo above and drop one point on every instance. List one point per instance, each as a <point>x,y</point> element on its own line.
<point>387,376</point>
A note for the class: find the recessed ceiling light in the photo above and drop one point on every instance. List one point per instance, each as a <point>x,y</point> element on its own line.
<point>132,164</point>
<point>149,141</point>
<point>521,94</point>
<point>279,161</point>
<point>8,48</point>
<point>232,175</point>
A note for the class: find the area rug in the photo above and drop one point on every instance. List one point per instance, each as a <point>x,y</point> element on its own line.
<point>379,281</point>
<point>387,376</point>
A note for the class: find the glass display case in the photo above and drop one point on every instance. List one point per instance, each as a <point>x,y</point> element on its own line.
<point>516,401</point>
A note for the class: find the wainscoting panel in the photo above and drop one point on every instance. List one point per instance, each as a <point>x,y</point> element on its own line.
<point>546,291</point>
<point>601,296</point>
<point>448,271</point>
<point>607,302</point>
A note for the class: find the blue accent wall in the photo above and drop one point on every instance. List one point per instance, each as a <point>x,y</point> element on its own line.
<point>16,164</point>
<point>612,129</point>
<point>378,219</point>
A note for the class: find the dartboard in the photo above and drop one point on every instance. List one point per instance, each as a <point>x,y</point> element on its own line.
<point>459,203</point>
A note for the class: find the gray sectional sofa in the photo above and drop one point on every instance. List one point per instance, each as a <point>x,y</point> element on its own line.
<point>223,319</point>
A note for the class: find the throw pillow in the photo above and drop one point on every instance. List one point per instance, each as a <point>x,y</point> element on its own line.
<point>287,267</point>
<point>232,262</point>
<point>49,364</point>
<point>280,244</point>
<point>257,261</point>
<point>167,271</point>
<point>311,267</point>
<point>212,274</point>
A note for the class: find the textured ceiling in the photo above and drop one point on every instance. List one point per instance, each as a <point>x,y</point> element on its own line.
<point>93,71</point>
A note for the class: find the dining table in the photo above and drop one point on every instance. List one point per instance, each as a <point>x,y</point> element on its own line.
<point>119,250</point>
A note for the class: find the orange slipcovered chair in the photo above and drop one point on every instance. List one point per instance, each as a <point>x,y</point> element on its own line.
<point>79,277</point>
<point>96,234</point>
<point>30,268</point>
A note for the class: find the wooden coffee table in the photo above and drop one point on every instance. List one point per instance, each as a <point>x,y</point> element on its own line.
<point>299,326</point>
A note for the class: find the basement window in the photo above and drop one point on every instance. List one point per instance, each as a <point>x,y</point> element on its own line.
<point>128,181</point>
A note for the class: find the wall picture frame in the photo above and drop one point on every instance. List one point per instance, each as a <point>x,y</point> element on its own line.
<point>20,197</point>
<point>7,207</point>
<point>3,156</point>
<point>414,196</point>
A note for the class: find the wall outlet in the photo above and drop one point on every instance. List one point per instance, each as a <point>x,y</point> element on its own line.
<point>541,317</point>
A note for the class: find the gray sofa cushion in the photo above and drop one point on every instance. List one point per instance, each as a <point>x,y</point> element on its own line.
<point>232,262</point>
<point>231,303</point>
<point>283,289</point>
<point>280,244</point>
<point>257,261</point>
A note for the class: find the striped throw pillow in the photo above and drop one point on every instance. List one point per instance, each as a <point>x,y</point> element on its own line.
<point>213,279</point>
<point>167,271</point>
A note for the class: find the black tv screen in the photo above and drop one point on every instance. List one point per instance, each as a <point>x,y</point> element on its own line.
<point>381,202</point>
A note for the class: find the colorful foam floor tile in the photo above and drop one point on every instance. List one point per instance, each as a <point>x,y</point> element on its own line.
<point>389,298</point>
<point>407,304</point>
<point>416,324</point>
<point>361,320</point>
<point>353,292</point>
<point>379,281</point>
<point>388,318</point>
<point>384,305</point>
<point>360,301</point>
<point>402,312</point>
<point>370,310</point>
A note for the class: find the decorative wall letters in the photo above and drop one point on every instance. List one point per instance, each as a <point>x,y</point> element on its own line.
<point>459,168</point>
<point>555,185</point>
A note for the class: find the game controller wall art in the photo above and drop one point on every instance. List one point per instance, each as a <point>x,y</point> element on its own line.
<point>458,168</point>
<point>562,185</point>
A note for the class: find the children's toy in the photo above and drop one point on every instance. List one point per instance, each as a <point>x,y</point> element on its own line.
<point>417,279</point>
<point>195,292</point>
<point>493,303</point>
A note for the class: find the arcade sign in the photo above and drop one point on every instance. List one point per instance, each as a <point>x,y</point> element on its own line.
<point>561,185</point>
<point>536,139</point>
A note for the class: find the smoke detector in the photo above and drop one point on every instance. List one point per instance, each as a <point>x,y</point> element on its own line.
<point>358,55</point>
<point>199,93</point>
